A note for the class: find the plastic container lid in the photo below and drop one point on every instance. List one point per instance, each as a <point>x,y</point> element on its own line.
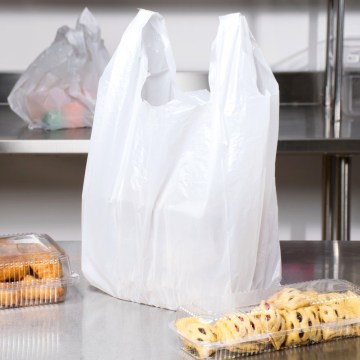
<point>33,270</point>
<point>294,315</point>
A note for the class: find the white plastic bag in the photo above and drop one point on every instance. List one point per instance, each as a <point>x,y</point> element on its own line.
<point>58,90</point>
<point>179,198</point>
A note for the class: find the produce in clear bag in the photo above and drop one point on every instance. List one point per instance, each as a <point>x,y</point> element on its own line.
<point>58,90</point>
<point>179,197</point>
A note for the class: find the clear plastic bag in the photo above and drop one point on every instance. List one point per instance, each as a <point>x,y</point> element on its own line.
<point>58,90</point>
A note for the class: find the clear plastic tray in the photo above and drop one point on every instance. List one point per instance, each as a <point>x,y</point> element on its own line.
<point>34,270</point>
<point>293,315</point>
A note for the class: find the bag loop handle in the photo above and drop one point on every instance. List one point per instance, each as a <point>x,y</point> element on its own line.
<point>145,60</point>
<point>232,69</point>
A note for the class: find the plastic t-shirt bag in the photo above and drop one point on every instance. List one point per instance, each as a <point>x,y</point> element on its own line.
<point>179,199</point>
<point>58,90</point>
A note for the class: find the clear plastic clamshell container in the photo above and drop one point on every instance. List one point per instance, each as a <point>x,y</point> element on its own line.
<point>34,270</point>
<point>294,315</point>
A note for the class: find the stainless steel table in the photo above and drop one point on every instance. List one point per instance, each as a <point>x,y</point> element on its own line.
<point>306,127</point>
<point>91,325</point>
<point>302,130</point>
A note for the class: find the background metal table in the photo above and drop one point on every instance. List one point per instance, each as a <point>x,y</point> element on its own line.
<point>306,127</point>
<point>91,325</point>
<point>302,130</point>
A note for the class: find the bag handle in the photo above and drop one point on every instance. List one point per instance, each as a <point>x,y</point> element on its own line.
<point>232,67</point>
<point>160,84</point>
<point>144,60</point>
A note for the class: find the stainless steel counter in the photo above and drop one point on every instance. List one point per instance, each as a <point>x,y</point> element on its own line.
<point>91,325</point>
<point>16,138</point>
<point>302,130</point>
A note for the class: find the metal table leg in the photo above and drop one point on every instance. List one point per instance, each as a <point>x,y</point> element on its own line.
<point>339,43</point>
<point>339,194</point>
<point>343,220</point>
<point>330,58</point>
<point>328,188</point>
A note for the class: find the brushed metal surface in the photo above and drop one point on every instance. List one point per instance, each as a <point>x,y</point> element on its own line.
<point>339,40</point>
<point>302,130</point>
<point>295,87</point>
<point>329,84</point>
<point>328,199</point>
<point>304,123</point>
<point>7,81</point>
<point>343,192</point>
<point>309,260</point>
<point>92,325</point>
